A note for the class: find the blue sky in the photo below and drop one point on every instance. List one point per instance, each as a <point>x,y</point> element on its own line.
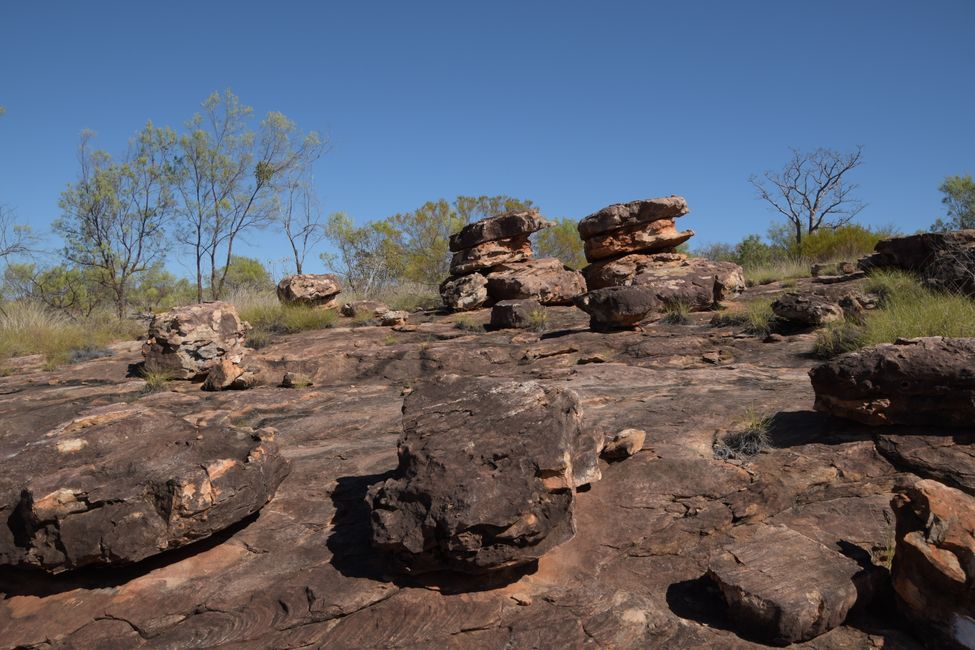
<point>575,105</point>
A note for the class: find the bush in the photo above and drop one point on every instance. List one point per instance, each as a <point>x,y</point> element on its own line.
<point>749,438</point>
<point>847,242</point>
<point>155,381</point>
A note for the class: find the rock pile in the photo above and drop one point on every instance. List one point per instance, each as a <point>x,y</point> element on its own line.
<point>492,261</point>
<point>188,342</point>
<point>946,260</point>
<point>311,290</point>
<point>633,244</point>
<point>487,473</point>
<point>122,483</point>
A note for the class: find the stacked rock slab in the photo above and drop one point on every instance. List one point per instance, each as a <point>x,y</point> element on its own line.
<point>186,342</point>
<point>633,244</point>
<point>492,261</point>
<point>311,290</point>
<point>487,475</point>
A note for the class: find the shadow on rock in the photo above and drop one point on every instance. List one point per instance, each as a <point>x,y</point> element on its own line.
<point>797,428</point>
<point>17,581</point>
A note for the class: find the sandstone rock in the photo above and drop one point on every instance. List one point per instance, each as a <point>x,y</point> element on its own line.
<point>503,226</point>
<point>546,280</point>
<point>490,254</point>
<point>364,308</point>
<point>623,444</point>
<point>185,342</point>
<point>807,309</point>
<point>123,483</point>
<point>464,293</point>
<point>783,586</point>
<point>222,375</point>
<point>945,457</point>
<point>945,260</point>
<point>934,562</point>
<point>657,236</point>
<point>296,380</point>
<point>926,381</point>
<point>695,282</point>
<point>622,215</point>
<point>309,289</point>
<point>515,314</point>
<point>617,307</point>
<point>486,476</point>
<point>394,318</point>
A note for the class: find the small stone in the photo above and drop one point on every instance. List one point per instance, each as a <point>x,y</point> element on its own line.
<point>394,318</point>
<point>521,598</point>
<point>624,444</point>
<point>295,380</point>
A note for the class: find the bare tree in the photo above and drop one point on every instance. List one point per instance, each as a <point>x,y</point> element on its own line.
<point>301,217</point>
<point>812,191</point>
<point>15,239</point>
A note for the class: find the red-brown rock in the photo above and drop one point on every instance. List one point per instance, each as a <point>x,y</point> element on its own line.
<point>503,226</point>
<point>653,237</point>
<point>313,290</point>
<point>185,342</point>
<point>634,213</point>
<point>546,280</point>
<point>464,293</point>
<point>490,254</point>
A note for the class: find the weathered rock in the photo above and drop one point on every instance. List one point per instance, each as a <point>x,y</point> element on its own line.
<point>296,380</point>
<point>310,289</point>
<point>464,293</point>
<point>503,226</point>
<point>394,318</point>
<point>807,309</point>
<point>618,307</point>
<point>945,260</point>
<point>490,254</point>
<point>486,475</point>
<point>185,342</point>
<point>783,586</point>
<point>934,562</point>
<point>947,457</point>
<point>222,375</point>
<point>364,308</point>
<point>657,236</point>
<point>623,444</point>
<point>123,483</point>
<point>634,213</point>
<point>546,280</point>
<point>516,314</point>
<point>926,381</point>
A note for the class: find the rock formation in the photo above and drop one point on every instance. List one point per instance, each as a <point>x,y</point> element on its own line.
<point>925,381</point>
<point>934,562</point>
<point>633,244</point>
<point>807,309</point>
<point>185,342</point>
<point>492,261</point>
<point>311,290</point>
<point>944,260</point>
<point>486,477</point>
<point>617,307</point>
<point>516,314</point>
<point>123,483</point>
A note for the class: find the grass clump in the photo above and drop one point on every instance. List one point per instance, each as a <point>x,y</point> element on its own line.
<point>773,271</point>
<point>749,437</point>
<point>468,324</point>
<point>268,317</point>
<point>676,312</point>
<point>759,317</point>
<point>537,320</point>
<point>156,381</point>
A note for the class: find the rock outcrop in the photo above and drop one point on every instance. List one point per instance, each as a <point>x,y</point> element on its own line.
<point>945,260</point>
<point>617,307</point>
<point>492,261</point>
<point>925,381</point>
<point>486,477</point>
<point>934,562</point>
<point>123,483</point>
<point>807,309</point>
<point>312,290</point>
<point>184,343</point>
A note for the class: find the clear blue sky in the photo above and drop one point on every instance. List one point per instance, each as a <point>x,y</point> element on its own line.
<point>575,105</point>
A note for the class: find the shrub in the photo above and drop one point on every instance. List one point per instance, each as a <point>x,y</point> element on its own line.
<point>837,338</point>
<point>847,242</point>
<point>749,437</point>
<point>155,381</point>
<point>537,320</point>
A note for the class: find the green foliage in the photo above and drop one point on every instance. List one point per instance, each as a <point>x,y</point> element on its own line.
<point>783,269</point>
<point>537,320</point>
<point>847,242</point>
<point>561,241</point>
<point>155,381</point>
<point>269,317</point>
<point>749,437</point>
<point>676,313</point>
<point>759,317</point>
<point>370,257</point>
<point>245,274</point>
<point>959,202</point>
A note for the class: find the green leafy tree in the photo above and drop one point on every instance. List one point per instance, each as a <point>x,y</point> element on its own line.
<point>562,241</point>
<point>113,218</point>
<point>75,291</point>
<point>158,289</point>
<point>370,257</point>
<point>959,202</point>
<point>245,274</point>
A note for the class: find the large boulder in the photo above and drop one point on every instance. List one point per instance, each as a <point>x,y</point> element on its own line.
<point>673,277</point>
<point>122,483</point>
<point>464,293</point>
<point>185,342</point>
<point>503,226</point>
<point>490,254</point>
<point>517,314</point>
<point>934,562</point>
<point>634,213</point>
<point>486,477</point>
<point>925,381</point>
<point>783,586</point>
<point>546,280</point>
<point>312,290</point>
<point>946,260</point>
<point>618,307</point>
<point>807,309</point>
<point>657,236</point>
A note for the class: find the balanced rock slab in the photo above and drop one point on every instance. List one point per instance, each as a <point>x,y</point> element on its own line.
<point>309,289</point>
<point>634,213</point>
<point>464,293</point>
<point>924,381</point>
<point>674,277</point>
<point>783,586</point>
<point>490,254</point>
<point>517,223</point>
<point>807,309</point>
<point>657,236</point>
<point>617,307</point>
<point>123,483</point>
<point>184,343</point>
<point>934,562</point>
<point>546,280</point>
<point>486,477</point>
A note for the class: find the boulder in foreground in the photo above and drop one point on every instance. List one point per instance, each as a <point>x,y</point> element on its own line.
<point>185,342</point>
<point>311,290</point>
<point>925,381</point>
<point>783,586</point>
<point>464,293</point>
<point>617,307</point>
<point>486,477</point>
<point>934,562</point>
<point>124,483</point>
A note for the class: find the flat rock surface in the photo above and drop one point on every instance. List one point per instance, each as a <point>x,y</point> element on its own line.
<point>302,573</point>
